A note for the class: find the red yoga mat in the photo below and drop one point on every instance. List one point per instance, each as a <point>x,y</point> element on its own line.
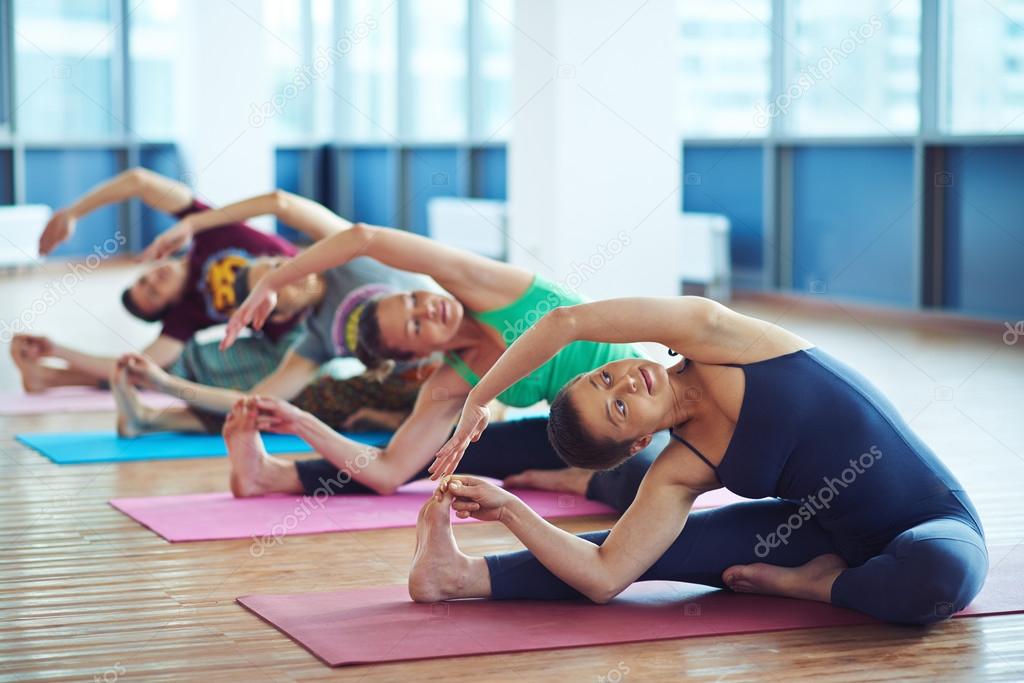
<point>382,625</point>
<point>74,400</point>
<point>219,516</point>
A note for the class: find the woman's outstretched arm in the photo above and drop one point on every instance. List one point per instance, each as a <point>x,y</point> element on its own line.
<point>696,327</point>
<point>643,534</point>
<point>479,282</point>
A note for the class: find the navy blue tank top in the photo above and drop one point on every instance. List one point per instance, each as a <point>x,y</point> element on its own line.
<point>814,431</point>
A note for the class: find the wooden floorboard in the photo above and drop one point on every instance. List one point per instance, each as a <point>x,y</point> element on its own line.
<point>87,594</point>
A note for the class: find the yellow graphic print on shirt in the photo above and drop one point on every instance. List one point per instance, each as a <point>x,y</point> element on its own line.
<point>218,281</point>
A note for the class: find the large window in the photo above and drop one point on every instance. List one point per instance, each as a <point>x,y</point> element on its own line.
<point>367,99</point>
<point>985,67</point>
<point>64,68</point>
<point>154,44</point>
<point>725,50</point>
<point>437,69</point>
<point>852,67</point>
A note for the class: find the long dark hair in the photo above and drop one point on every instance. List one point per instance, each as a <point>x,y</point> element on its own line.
<point>574,444</point>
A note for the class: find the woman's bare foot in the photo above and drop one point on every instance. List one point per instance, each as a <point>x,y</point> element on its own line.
<point>566,480</point>
<point>440,571</point>
<point>811,581</point>
<point>253,471</point>
<point>33,373</point>
<point>133,417</point>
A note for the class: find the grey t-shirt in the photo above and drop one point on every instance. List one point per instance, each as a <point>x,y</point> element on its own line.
<point>316,343</point>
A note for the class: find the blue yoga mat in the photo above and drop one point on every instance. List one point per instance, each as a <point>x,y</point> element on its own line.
<point>66,448</point>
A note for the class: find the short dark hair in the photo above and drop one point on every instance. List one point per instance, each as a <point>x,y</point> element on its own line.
<point>133,308</point>
<point>572,442</point>
<point>370,348</point>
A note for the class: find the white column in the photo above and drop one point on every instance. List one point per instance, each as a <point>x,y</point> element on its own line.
<point>594,170</point>
<point>222,77</point>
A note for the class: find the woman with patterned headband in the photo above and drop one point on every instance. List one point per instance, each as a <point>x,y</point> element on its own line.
<point>490,304</point>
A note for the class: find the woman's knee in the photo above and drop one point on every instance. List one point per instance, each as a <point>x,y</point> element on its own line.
<point>941,577</point>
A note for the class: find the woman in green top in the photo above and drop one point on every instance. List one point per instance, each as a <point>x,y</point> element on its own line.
<point>491,304</point>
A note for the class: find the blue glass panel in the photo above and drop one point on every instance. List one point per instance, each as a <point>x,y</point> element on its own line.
<point>489,173</point>
<point>373,174</point>
<point>853,223</point>
<point>59,177</point>
<point>728,181</point>
<point>165,160</point>
<point>984,212</point>
<point>429,173</point>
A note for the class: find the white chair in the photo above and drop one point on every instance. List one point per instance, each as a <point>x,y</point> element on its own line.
<point>477,225</point>
<point>705,258</point>
<point>20,229</point>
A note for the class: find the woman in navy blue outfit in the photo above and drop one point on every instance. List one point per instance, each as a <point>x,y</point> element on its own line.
<point>855,509</point>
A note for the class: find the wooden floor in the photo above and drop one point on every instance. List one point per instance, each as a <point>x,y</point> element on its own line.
<point>87,594</point>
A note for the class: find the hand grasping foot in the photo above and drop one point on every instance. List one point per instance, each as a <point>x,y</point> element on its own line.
<point>440,570</point>
<point>253,471</point>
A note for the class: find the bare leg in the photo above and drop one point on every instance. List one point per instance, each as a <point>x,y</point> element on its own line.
<point>567,480</point>
<point>135,418</point>
<point>253,471</point>
<point>36,377</point>
<point>811,581</point>
<point>440,571</point>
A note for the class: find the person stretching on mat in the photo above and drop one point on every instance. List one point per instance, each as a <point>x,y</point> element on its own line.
<point>491,304</point>
<point>858,511</point>
<point>329,297</point>
<point>185,294</point>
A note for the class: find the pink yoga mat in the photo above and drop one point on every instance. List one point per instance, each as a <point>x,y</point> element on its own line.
<point>382,625</point>
<point>74,400</point>
<point>219,516</point>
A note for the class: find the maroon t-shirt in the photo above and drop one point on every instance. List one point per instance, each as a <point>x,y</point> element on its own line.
<point>213,260</point>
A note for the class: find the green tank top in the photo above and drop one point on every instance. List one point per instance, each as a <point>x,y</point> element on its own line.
<point>543,383</point>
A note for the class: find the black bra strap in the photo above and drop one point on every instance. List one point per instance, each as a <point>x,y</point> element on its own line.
<point>692,448</point>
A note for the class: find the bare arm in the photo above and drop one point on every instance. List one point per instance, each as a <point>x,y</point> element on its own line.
<point>156,191</point>
<point>313,220</point>
<point>412,446</point>
<point>696,327</point>
<point>285,382</point>
<point>640,537</point>
<point>163,351</point>
<point>479,282</point>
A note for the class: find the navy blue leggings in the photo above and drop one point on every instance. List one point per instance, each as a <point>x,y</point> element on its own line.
<point>923,575</point>
<point>504,449</point>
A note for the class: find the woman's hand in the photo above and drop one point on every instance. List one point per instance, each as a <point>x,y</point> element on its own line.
<point>276,415</point>
<point>254,311</point>
<point>477,498</point>
<point>472,424</point>
<point>143,371</point>
<point>59,228</point>
<point>169,242</point>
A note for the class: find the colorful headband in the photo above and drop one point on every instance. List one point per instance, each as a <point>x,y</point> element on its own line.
<point>345,328</point>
